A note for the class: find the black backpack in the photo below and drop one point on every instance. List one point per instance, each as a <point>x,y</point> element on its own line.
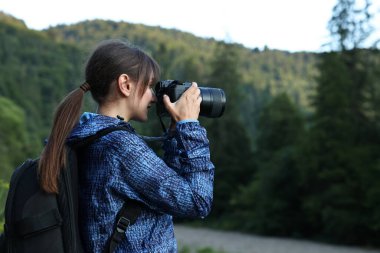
<point>36,221</point>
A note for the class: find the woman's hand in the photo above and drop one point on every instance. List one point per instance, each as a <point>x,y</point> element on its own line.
<point>187,107</point>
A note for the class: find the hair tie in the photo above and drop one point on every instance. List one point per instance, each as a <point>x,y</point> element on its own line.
<point>85,87</point>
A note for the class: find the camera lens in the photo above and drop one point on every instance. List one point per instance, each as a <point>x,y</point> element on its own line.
<point>213,99</point>
<point>213,102</point>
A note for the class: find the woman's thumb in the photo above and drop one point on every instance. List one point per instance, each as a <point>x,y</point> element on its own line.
<point>166,99</point>
<point>167,102</point>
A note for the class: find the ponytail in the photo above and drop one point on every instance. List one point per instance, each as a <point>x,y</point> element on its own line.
<point>53,156</point>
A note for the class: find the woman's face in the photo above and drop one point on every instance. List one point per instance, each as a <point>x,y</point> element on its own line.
<point>142,104</point>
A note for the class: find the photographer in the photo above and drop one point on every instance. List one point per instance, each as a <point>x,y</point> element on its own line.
<point>120,166</point>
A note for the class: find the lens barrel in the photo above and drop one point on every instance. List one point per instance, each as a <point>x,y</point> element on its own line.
<point>213,102</point>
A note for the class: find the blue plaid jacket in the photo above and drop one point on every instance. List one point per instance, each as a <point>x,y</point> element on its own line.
<point>120,165</point>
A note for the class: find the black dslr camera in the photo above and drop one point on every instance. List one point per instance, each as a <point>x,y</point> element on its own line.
<point>213,99</point>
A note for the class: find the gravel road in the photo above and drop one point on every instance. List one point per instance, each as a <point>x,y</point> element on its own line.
<point>232,242</point>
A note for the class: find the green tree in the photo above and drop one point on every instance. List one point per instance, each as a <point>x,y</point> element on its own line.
<point>230,143</point>
<point>341,152</point>
<point>4,187</point>
<point>13,139</point>
<point>350,25</point>
<point>270,204</point>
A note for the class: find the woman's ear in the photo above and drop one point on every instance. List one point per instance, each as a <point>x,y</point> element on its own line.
<point>125,85</point>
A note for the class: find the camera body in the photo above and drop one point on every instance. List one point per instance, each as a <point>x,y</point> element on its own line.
<point>213,99</point>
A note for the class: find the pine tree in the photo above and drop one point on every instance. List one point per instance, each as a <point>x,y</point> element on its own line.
<point>270,204</point>
<point>342,147</point>
<point>13,138</point>
<point>229,141</point>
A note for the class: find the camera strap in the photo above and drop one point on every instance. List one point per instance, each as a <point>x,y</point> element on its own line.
<point>162,124</point>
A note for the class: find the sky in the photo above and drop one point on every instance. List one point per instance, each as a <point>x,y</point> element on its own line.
<point>291,25</point>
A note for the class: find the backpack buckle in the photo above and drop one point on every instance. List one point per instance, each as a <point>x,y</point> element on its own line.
<point>122,224</point>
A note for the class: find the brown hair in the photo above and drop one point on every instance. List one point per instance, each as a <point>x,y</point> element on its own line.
<point>109,60</point>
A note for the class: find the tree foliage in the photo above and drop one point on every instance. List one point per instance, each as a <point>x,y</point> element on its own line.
<point>35,73</point>
<point>13,137</point>
<point>350,24</point>
<point>270,203</point>
<point>342,149</point>
<point>230,142</point>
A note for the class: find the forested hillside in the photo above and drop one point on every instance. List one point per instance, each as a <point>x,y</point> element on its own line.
<point>183,56</point>
<point>39,68</point>
<point>35,73</point>
<point>296,152</point>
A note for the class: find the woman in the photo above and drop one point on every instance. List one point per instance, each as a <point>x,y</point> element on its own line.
<point>120,165</point>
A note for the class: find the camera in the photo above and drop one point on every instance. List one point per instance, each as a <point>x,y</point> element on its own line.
<point>213,99</point>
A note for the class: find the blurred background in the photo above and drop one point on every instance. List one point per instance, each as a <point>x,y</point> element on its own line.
<point>297,151</point>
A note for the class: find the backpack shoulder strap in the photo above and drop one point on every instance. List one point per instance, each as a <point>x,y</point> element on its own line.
<point>131,209</point>
<point>90,139</point>
<point>127,216</point>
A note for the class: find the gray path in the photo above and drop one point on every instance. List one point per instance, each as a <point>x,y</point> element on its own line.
<point>231,242</point>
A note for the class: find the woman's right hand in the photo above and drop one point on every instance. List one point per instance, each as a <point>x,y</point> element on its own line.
<point>187,107</point>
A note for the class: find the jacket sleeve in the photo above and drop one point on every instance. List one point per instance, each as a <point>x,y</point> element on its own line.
<point>186,188</point>
<point>171,152</point>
